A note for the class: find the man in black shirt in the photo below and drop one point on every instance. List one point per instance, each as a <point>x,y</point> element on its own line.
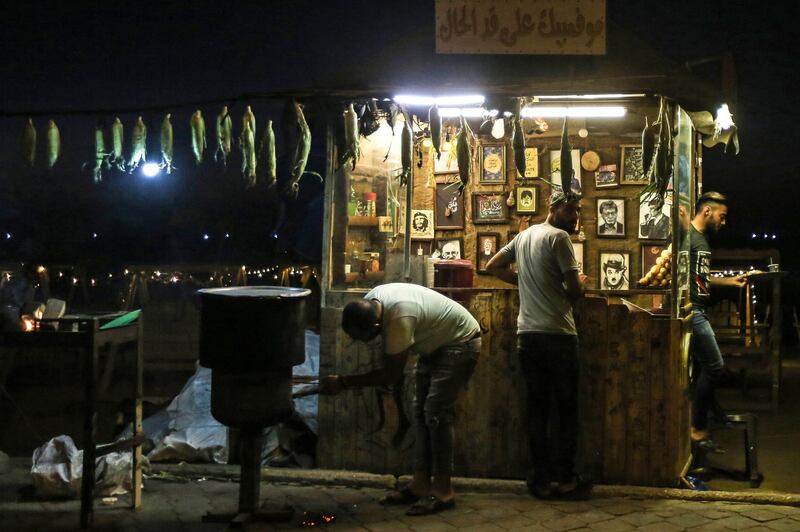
<point>711,212</point>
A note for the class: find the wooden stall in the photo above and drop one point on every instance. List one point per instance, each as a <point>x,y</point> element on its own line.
<point>634,343</point>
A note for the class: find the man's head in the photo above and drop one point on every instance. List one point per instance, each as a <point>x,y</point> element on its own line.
<point>451,250</point>
<point>487,246</point>
<point>655,205</point>
<point>565,210</point>
<point>526,198</point>
<point>614,268</point>
<point>361,319</point>
<point>711,212</point>
<point>420,221</point>
<point>608,210</point>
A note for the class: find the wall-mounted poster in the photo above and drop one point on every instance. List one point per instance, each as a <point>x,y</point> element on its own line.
<point>421,225</point>
<point>610,217</point>
<point>614,270</point>
<point>447,163</point>
<point>450,248</point>
<point>606,176</point>
<point>449,207</point>
<point>527,199</point>
<point>632,172</point>
<point>555,169</point>
<point>531,162</point>
<point>493,164</point>
<point>654,222</point>
<point>489,208</point>
<point>650,254</point>
<point>578,249</point>
<point>487,246</point>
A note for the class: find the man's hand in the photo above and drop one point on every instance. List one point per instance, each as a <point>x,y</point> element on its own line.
<point>330,385</point>
<point>582,278</point>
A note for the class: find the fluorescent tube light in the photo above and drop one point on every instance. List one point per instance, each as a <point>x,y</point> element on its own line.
<point>467,112</point>
<point>590,96</point>
<point>606,111</point>
<point>456,100</point>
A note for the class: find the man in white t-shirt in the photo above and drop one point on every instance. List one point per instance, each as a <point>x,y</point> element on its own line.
<point>413,319</point>
<point>547,342</point>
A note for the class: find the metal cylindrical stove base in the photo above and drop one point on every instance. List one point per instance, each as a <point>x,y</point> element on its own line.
<point>252,400</point>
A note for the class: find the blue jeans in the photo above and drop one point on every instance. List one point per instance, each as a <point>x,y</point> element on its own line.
<point>440,376</point>
<point>550,366</point>
<point>708,367</point>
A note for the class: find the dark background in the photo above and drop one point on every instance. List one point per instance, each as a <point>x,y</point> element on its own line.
<point>147,58</point>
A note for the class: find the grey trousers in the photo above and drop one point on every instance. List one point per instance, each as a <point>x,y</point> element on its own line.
<point>439,377</point>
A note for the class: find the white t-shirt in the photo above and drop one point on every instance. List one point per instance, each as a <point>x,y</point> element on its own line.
<point>543,254</point>
<point>421,320</point>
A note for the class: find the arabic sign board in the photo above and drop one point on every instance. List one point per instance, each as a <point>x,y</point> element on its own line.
<point>540,27</point>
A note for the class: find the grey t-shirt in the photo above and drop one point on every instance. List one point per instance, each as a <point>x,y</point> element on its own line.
<point>543,254</point>
<point>420,319</point>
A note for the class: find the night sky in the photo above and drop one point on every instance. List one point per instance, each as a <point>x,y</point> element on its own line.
<point>97,55</point>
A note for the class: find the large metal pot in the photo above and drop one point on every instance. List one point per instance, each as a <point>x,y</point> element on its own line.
<point>251,337</point>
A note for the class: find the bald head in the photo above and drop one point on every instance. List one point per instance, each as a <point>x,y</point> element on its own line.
<point>361,319</point>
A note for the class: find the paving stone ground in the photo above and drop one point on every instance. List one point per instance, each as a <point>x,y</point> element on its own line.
<point>179,506</point>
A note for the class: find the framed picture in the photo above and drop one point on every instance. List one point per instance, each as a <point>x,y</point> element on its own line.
<point>493,164</point>
<point>447,163</point>
<point>578,248</point>
<point>614,270</point>
<point>654,221</point>
<point>650,253</point>
<point>632,172</point>
<point>449,207</point>
<point>489,208</point>
<point>531,163</point>
<point>422,247</point>
<point>527,199</point>
<point>610,217</point>
<point>487,246</point>
<point>555,170</point>
<point>421,224</point>
<point>606,176</point>
<point>450,248</point>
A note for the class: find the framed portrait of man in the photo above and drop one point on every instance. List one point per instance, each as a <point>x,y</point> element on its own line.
<point>421,224</point>
<point>610,217</point>
<point>654,220</point>
<point>487,246</point>
<point>450,248</point>
<point>527,199</point>
<point>614,270</point>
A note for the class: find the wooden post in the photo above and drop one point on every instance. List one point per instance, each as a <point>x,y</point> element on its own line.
<point>136,460</point>
<point>90,374</point>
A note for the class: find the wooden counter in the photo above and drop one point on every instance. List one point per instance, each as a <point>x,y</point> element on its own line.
<point>634,411</point>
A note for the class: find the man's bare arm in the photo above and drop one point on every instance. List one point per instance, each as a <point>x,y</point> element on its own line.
<point>574,281</point>
<point>499,267</point>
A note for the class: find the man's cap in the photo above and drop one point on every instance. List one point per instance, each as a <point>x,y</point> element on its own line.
<point>559,197</point>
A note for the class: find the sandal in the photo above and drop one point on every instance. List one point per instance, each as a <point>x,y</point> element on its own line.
<point>402,496</point>
<point>708,445</point>
<point>430,505</point>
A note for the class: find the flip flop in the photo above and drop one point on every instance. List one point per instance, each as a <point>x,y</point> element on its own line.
<point>402,496</point>
<point>709,446</point>
<point>430,505</point>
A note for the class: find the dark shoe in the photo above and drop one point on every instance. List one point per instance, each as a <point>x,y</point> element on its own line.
<point>403,496</point>
<point>539,488</point>
<point>707,445</point>
<point>430,505</point>
<point>578,489</point>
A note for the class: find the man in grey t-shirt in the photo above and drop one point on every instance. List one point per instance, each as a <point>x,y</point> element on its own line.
<point>415,319</point>
<point>547,343</point>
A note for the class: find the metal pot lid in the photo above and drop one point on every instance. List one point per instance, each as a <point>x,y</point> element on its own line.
<point>263,292</point>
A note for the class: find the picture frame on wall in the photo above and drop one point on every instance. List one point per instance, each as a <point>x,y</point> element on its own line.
<point>606,176</point>
<point>650,254</point>
<point>489,208</point>
<point>527,199</point>
<point>449,207</point>
<point>631,165</point>
<point>421,224</point>
<point>487,245</point>
<point>577,247</point>
<point>614,270</point>
<point>450,248</point>
<point>493,164</point>
<point>611,217</point>
<point>531,163</point>
<point>447,163</point>
<point>576,184</point>
<point>654,220</point>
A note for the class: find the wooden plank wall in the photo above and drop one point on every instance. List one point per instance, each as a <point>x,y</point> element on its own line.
<point>633,405</point>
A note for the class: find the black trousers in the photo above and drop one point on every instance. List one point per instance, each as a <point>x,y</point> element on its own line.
<point>550,366</point>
